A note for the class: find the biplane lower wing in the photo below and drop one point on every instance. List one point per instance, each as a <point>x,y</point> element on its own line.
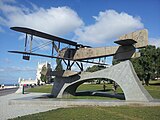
<point>35,54</point>
<point>48,56</point>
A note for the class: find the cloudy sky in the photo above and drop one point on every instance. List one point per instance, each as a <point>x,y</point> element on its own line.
<point>90,22</point>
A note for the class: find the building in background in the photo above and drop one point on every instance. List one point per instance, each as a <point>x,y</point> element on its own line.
<point>43,70</point>
<point>43,74</point>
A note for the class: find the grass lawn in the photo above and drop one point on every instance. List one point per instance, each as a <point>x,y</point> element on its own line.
<point>83,87</point>
<point>153,89</point>
<point>41,89</point>
<point>97,113</point>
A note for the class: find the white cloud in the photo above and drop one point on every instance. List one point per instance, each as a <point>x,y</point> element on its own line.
<point>154,41</point>
<point>16,68</point>
<point>58,21</point>
<point>108,25</point>
<point>62,20</point>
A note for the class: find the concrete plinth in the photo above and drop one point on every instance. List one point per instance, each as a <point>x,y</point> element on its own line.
<point>123,74</point>
<point>20,90</point>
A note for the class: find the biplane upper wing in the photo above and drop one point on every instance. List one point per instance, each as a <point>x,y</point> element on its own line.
<point>43,35</point>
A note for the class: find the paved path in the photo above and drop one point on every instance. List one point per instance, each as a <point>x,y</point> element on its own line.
<point>8,110</point>
<point>8,91</point>
<point>14,105</point>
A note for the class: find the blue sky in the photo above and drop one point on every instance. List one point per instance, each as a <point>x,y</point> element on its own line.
<point>91,22</point>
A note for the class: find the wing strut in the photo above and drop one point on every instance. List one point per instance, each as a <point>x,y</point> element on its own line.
<point>52,48</point>
<point>80,66</point>
<point>25,44</point>
<point>26,56</point>
<point>31,43</point>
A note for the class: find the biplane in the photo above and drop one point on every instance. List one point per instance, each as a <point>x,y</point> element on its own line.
<point>77,53</point>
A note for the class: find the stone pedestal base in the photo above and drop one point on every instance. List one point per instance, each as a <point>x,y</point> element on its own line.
<point>123,74</point>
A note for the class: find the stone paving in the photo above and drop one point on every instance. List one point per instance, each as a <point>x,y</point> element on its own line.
<point>8,110</point>
<point>14,105</point>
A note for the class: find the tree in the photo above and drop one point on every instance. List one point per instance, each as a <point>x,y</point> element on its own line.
<point>96,68</point>
<point>43,78</point>
<point>145,66</point>
<point>148,62</point>
<point>115,61</point>
<point>158,63</point>
<point>59,66</point>
<point>43,74</point>
<point>138,68</point>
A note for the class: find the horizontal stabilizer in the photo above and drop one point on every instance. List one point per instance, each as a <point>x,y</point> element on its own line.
<point>126,42</point>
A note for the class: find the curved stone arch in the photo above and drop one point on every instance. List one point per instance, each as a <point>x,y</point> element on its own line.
<point>123,74</point>
<point>71,89</point>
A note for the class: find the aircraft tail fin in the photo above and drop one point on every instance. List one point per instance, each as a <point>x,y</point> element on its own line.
<point>140,37</point>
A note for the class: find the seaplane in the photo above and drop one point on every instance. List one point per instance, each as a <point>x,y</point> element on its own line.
<point>77,53</point>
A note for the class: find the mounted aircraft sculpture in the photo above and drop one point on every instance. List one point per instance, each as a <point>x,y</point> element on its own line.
<point>77,53</point>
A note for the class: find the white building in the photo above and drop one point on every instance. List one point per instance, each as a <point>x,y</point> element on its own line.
<point>43,68</point>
